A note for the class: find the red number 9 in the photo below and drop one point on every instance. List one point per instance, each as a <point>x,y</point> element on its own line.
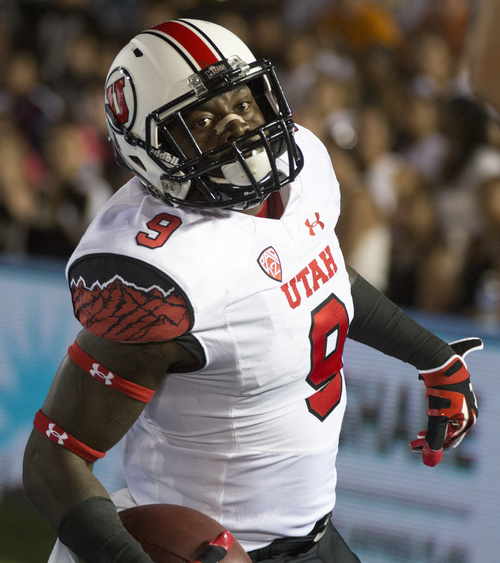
<point>327,335</point>
<point>163,225</point>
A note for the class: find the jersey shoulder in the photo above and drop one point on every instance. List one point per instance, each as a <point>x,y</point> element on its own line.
<point>318,177</point>
<point>125,299</point>
<point>310,143</point>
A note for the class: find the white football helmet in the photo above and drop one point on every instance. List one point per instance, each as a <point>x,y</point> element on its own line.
<point>159,78</point>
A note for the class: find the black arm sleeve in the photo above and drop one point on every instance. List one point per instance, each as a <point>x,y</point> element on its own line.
<point>93,531</point>
<point>382,325</point>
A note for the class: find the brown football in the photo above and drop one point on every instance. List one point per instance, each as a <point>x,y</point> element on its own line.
<point>170,533</point>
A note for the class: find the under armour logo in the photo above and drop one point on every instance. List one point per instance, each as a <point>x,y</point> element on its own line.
<point>51,433</point>
<point>314,224</point>
<point>95,372</point>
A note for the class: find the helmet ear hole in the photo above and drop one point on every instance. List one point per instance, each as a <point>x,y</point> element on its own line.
<point>136,160</point>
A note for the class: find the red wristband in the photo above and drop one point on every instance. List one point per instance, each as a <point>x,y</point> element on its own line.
<point>103,375</point>
<point>55,433</point>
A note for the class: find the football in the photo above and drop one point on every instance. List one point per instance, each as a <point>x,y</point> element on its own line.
<point>170,533</point>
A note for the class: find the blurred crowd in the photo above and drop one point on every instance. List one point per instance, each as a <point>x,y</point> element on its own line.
<point>382,82</point>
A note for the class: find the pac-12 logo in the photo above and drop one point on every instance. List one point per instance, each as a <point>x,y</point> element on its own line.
<point>270,263</point>
<point>121,98</point>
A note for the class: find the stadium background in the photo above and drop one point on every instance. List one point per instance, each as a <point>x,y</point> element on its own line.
<point>419,221</point>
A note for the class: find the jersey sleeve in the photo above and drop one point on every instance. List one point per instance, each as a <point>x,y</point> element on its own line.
<point>127,300</point>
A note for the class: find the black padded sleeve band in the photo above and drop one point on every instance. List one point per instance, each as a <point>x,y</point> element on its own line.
<point>381,324</point>
<point>93,531</point>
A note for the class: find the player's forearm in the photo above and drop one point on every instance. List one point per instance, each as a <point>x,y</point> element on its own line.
<point>382,325</point>
<point>63,488</point>
<point>55,479</point>
<point>93,530</point>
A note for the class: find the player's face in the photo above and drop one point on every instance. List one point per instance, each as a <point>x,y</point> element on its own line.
<point>224,118</point>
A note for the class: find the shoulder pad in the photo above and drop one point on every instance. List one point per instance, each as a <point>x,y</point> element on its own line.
<point>127,300</point>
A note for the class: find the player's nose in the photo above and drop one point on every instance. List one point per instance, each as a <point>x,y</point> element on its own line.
<point>231,127</point>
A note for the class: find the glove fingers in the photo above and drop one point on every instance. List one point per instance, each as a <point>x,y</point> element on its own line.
<point>452,439</point>
<point>436,432</point>
<point>417,445</point>
<point>435,437</point>
<point>431,457</point>
<point>431,441</point>
<point>455,442</point>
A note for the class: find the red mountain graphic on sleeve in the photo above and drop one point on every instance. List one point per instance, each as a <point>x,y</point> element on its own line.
<point>122,311</point>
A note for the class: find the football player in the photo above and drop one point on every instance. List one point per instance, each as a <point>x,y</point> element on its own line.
<point>215,304</point>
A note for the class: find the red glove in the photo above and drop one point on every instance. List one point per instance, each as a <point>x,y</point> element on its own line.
<point>217,549</point>
<point>452,404</point>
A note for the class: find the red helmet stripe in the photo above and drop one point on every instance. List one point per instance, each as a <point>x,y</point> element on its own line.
<point>195,46</point>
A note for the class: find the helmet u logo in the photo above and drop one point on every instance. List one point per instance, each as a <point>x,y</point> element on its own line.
<point>116,100</point>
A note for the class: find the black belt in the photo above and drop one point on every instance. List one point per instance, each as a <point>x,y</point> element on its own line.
<point>292,546</point>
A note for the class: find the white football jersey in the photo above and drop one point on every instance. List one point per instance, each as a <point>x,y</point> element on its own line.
<point>250,438</point>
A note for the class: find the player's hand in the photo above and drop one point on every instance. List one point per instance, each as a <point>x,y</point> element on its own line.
<point>452,406</point>
<point>217,549</point>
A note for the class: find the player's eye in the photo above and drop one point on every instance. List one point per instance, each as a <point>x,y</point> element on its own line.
<point>202,122</point>
<point>243,106</point>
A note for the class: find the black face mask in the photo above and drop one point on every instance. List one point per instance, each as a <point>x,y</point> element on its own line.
<point>240,173</point>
